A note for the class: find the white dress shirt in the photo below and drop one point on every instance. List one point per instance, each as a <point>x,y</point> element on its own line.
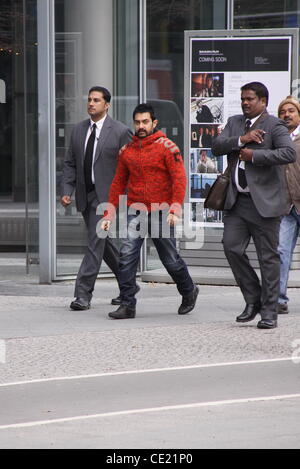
<point>295,133</point>
<point>99,125</point>
<point>242,163</point>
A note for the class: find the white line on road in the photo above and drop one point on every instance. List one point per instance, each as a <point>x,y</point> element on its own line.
<point>151,370</point>
<point>148,410</point>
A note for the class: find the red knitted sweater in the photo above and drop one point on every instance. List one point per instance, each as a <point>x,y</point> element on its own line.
<point>152,171</point>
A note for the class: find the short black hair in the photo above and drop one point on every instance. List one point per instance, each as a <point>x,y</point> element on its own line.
<point>144,107</point>
<point>259,89</point>
<point>100,89</point>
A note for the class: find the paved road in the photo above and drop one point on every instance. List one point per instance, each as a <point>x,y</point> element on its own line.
<point>159,381</point>
<point>177,408</point>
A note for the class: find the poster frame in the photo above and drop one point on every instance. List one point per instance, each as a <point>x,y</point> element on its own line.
<point>292,33</point>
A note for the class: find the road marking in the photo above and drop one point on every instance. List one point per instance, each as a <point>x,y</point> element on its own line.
<point>149,410</point>
<point>151,370</point>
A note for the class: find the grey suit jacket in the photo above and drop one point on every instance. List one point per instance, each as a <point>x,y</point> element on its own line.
<point>114,135</point>
<point>264,175</point>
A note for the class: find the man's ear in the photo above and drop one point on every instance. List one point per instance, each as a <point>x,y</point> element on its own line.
<point>155,123</point>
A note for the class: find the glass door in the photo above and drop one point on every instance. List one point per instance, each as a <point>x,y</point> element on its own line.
<point>18,137</point>
<point>96,43</point>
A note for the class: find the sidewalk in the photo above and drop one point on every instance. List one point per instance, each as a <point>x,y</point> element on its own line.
<point>44,338</point>
<point>212,276</point>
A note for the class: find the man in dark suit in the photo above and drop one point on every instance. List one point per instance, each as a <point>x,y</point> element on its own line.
<point>257,144</point>
<point>89,168</point>
<point>203,113</point>
<point>207,138</point>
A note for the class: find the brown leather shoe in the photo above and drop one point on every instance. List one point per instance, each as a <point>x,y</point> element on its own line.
<point>282,308</point>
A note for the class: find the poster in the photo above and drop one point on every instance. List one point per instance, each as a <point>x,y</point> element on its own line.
<point>218,67</point>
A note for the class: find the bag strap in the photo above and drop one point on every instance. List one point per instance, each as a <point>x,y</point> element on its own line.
<point>230,165</point>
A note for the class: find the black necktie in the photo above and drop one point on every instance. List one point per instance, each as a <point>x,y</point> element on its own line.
<point>241,173</point>
<point>88,160</point>
<point>247,125</point>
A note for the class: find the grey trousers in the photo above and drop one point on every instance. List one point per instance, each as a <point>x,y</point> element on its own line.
<point>97,250</point>
<point>240,224</point>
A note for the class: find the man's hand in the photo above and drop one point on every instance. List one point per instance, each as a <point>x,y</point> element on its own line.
<point>256,136</point>
<point>246,154</point>
<point>172,219</point>
<point>105,225</point>
<point>65,200</point>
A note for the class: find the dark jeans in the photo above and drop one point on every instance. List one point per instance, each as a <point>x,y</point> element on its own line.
<point>166,248</point>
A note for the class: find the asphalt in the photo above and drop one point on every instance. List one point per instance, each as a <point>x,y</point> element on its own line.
<point>78,379</point>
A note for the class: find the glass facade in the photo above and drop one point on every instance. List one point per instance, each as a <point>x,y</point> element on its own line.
<point>133,47</point>
<point>18,130</point>
<point>166,23</point>
<point>266,14</point>
<point>87,34</point>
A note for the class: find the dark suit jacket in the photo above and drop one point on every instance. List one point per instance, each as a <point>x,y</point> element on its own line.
<point>206,140</point>
<point>204,115</point>
<point>264,175</point>
<point>114,135</point>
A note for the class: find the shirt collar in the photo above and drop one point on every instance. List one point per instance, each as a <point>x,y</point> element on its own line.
<point>99,123</point>
<point>295,132</point>
<point>254,119</point>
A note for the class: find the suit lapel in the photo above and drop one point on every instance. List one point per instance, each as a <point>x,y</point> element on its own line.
<point>261,118</point>
<point>82,137</point>
<point>242,125</point>
<point>105,131</point>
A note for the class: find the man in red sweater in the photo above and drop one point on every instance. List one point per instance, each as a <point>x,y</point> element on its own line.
<point>151,173</point>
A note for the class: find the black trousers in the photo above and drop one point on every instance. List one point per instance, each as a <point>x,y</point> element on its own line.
<point>240,224</point>
<point>97,250</point>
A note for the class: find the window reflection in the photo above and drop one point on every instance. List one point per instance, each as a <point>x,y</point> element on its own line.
<point>266,14</point>
<point>95,44</point>
<point>166,23</point>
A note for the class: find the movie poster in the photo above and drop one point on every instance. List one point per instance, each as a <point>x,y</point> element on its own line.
<point>218,69</point>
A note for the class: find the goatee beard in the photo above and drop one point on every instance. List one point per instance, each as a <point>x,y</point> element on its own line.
<point>142,134</point>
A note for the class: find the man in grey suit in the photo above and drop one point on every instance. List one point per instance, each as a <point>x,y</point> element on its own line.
<point>89,168</point>
<point>257,144</point>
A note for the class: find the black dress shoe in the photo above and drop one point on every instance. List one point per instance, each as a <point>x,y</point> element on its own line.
<point>249,312</point>
<point>118,299</point>
<point>80,304</point>
<point>282,308</point>
<point>123,312</point>
<point>189,301</point>
<point>267,324</point>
